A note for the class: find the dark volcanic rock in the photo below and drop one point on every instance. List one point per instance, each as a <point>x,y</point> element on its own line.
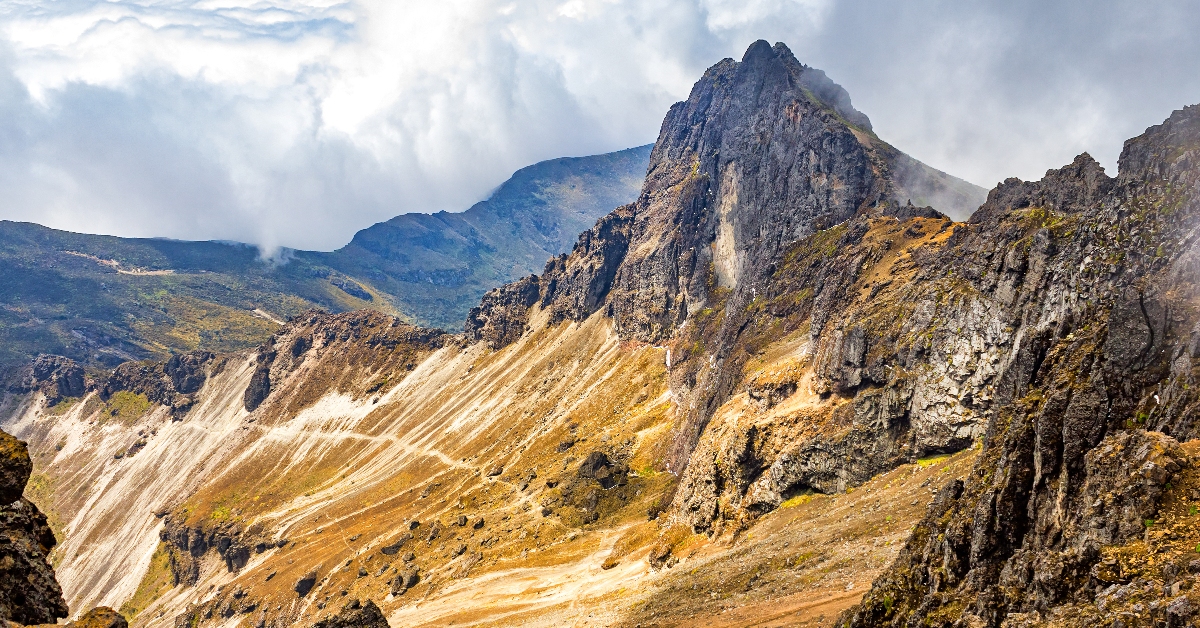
<point>1078,186</point>
<point>749,163</point>
<point>1068,475</point>
<point>306,583</point>
<point>234,543</point>
<point>597,466</point>
<point>576,285</point>
<point>405,580</point>
<point>765,153</point>
<point>29,594</point>
<point>355,615</point>
<point>500,318</point>
<point>259,388</point>
<point>394,548</point>
<point>15,467</point>
<point>260,382</point>
<point>167,383</point>
<point>188,370</point>
<point>55,377</point>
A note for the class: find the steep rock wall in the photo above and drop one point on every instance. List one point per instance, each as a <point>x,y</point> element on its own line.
<point>766,152</point>
<point>29,594</point>
<point>1067,478</point>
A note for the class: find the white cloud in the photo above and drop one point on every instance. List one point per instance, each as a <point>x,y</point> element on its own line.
<point>297,122</point>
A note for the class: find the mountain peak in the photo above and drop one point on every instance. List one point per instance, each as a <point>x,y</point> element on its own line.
<point>760,50</point>
<point>762,58</point>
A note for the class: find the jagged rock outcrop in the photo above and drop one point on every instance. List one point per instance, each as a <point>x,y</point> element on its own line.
<point>29,594</point>
<point>355,614</point>
<point>369,351</point>
<point>572,286</point>
<point>99,617</point>
<point>764,153</point>
<point>55,377</point>
<point>1068,483</point>
<point>172,383</point>
<point>1078,186</point>
<point>233,542</point>
<point>260,382</point>
<point>15,467</point>
<point>501,316</point>
<point>188,371</point>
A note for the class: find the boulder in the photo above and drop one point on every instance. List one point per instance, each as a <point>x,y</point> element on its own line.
<point>306,583</point>
<point>355,614</point>
<point>405,580</point>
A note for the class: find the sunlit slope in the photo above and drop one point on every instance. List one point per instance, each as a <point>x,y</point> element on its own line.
<point>375,435</point>
<point>338,470</point>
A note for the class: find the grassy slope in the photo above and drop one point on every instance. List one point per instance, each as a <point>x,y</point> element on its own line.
<point>103,300</point>
<point>54,298</point>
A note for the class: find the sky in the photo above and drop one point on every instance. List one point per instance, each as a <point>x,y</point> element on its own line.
<point>294,123</point>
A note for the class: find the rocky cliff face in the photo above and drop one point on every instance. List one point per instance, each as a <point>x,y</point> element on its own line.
<point>29,593</point>
<point>1056,320</point>
<point>764,154</point>
<point>1068,482</point>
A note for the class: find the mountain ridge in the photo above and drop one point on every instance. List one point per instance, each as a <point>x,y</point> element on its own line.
<point>104,300</point>
<point>767,381</point>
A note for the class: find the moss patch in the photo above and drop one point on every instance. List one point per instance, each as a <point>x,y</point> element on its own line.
<point>124,407</point>
<point>156,582</point>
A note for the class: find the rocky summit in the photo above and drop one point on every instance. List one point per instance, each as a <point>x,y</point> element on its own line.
<point>784,386</point>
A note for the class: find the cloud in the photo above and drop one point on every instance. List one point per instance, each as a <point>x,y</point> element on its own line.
<point>297,122</point>
<point>988,90</point>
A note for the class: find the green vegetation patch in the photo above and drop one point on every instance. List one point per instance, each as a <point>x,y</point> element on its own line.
<point>40,491</point>
<point>158,580</point>
<point>925,463</point>
<point>63,405</point>
<point>125,407</point>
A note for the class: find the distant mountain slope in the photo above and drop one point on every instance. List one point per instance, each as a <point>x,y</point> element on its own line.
<point>435,267</point>
<point>104,300</point>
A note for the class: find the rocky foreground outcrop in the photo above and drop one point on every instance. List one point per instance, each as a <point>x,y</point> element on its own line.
<point>1060,522</point>
<point>29,594</point>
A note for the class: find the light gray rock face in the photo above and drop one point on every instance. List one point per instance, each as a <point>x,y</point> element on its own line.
<point>1104,345</point>
<point>764,153</point>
